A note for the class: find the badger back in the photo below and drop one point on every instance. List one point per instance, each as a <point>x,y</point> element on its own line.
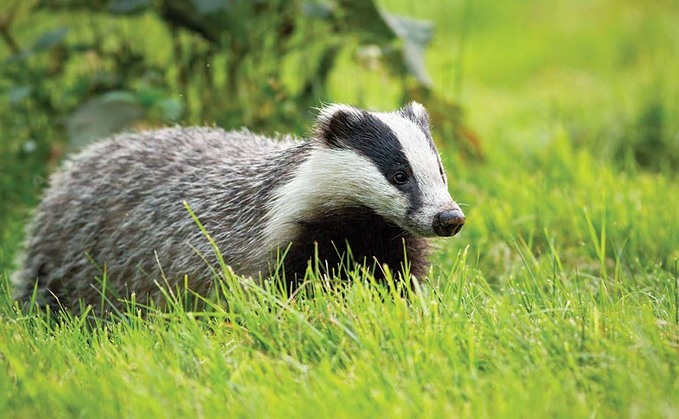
<point>116,210</point>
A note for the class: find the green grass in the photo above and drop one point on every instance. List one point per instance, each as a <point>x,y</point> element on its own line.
<point>559,298</point>
<point>547,343</point>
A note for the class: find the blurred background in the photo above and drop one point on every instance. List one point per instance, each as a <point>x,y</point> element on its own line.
<point>558,120</point>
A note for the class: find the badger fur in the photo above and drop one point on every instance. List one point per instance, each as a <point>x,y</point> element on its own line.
<point>372,181</point>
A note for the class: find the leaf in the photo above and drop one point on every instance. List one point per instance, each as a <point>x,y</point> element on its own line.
<point>18,93</point>
<point>50,38</point>
<point>417,31</point>
<point>416,36</point>
<point>318,10</point>
<point>22,56</point>
<point>364,18</point>
<point>377,26</point>
<point>149,96</point>
<point>413,57</point>
<point>171,109</point>
<point>100,117</point>
<point>128,7</point>
<point>119,96</point>
<point>210,18</point>
<point>208,7</point>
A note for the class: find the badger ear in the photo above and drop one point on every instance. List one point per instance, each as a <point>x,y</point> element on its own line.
<point>336,123</point>
<point>416,113</point>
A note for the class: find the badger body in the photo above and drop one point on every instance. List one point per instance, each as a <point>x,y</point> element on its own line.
<point>365,181</point>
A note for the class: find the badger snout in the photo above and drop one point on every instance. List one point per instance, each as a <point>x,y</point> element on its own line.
<point>448,222</point>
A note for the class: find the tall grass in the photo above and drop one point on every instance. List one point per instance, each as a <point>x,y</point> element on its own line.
<point>548,342</point>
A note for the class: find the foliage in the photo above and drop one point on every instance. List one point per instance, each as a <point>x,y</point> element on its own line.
<point>259,64</point>
<point>224,54</point>
<point>550,342</point>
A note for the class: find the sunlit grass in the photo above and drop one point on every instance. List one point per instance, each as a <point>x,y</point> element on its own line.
<point>546,342</point>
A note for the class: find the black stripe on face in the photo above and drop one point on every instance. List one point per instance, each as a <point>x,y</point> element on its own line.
<point>375,140</point>
<point>442,172</point>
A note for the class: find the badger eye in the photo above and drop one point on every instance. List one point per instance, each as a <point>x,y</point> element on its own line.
<point>400,177</point>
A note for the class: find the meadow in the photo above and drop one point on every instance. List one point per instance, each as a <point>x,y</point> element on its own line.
<point>559,298</point>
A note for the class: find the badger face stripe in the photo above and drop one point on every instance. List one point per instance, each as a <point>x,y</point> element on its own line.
<point>417,114</point>
<point>424,159</point>
<point>375,140</point>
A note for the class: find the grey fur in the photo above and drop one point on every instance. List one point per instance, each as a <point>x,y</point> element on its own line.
<point>118,206</point>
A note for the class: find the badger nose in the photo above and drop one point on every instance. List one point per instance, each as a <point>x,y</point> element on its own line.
<point>448,222</point>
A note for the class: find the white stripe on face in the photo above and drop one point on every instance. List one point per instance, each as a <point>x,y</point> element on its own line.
<point>331,178</point>
<point>425,164</point>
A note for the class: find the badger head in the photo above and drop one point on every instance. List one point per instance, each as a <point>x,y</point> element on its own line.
<point>386,162</point>
<point>390,164</point>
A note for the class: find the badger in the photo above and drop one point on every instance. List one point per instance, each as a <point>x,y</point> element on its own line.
<point>365,187</point>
